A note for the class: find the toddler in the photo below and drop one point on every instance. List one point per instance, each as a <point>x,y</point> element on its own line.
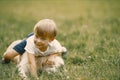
<point>41,43</point>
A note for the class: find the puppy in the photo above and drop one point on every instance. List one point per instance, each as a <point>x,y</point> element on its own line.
<point>49,63</point>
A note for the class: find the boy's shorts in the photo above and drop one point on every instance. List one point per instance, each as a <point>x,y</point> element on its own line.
<point>20,47</point>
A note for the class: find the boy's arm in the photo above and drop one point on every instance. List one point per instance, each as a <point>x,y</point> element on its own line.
<point>32,64</point>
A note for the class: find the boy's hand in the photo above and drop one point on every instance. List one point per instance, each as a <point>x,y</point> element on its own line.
<point>64,51</point>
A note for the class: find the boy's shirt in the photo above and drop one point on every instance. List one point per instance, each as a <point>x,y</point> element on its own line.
<point>53,47</point>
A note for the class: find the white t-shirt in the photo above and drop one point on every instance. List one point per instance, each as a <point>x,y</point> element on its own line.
<point>53,47</point>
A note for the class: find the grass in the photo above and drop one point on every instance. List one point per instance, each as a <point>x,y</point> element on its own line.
<point>88,28</point>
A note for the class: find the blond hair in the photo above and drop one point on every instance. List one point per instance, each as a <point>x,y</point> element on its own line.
<point>46,28</point>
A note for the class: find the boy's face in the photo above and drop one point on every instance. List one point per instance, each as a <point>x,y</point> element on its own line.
<point>41,42</point>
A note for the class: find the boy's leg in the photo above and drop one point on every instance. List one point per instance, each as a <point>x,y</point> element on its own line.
<point>16,48</point>
<point>9,55</point>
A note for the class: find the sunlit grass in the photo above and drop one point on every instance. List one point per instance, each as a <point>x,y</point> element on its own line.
<point>88,28</point>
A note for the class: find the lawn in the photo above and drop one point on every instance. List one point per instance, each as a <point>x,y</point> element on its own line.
<point>89,29</point>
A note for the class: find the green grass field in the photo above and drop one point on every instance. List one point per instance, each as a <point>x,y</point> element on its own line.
<point>90,29</point>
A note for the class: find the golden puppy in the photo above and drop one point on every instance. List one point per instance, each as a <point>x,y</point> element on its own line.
<point>49,63</point>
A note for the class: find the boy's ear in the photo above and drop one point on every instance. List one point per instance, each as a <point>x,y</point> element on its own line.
<point>51,39</point>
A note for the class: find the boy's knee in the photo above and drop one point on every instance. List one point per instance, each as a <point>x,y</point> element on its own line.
<point>7,55</point>
<point>10,54</point>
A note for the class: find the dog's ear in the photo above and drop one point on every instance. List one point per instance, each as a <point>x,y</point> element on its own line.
<point>48,63</point>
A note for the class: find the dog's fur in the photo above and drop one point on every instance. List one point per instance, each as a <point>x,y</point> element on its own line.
<point>47,63</point>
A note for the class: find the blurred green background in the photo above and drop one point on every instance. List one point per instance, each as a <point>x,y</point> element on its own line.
<point>90,29</point>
